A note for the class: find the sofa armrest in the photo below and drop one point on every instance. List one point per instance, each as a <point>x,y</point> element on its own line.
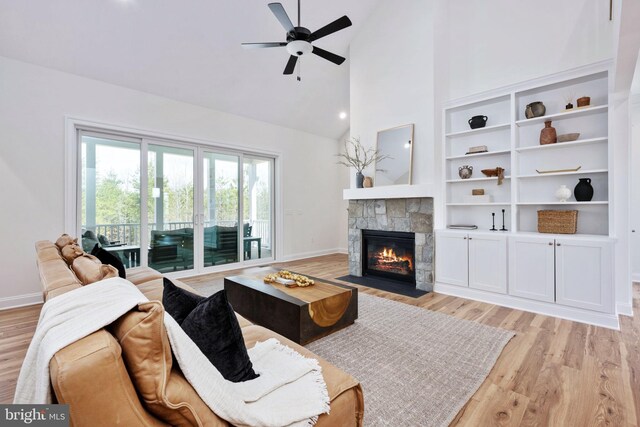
<point>90,376</point>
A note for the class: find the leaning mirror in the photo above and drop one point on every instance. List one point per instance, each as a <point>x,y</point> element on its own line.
<point>397,144</point>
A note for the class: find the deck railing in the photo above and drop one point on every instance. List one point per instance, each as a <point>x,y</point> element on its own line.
<point>129,233</point>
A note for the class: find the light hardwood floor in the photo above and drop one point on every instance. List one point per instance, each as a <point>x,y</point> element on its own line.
<point>552,373</point>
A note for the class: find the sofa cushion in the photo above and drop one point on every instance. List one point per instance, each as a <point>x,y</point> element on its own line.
<point>89,269</point>
<point>139,275</point>
<point>71,252</point>
<point>56,274</point>
<point>107,257</point>
<point>64,240</point>
<point>48,253</point>
<point>213,327</point>
<point>147,354</point>
<point>179,302</point>
<point>52,293</point>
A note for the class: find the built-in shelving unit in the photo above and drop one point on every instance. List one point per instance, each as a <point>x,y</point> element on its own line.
<point>512,142</point>
<point>564,275</point>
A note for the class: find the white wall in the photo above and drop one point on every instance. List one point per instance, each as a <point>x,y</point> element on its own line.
<point>33,105</point>
<point>495,43</point>
<point>392,79</point>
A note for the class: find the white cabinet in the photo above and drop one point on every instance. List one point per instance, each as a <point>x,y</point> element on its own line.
<point>488,263</point>
<point>452,259</point>
<point>532,268</point>
<point>572,272</point>
<point>584,274</point>
<point>472,260</point>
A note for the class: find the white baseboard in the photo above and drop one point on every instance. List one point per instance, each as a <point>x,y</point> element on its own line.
<point>20,301</point>
<point>312,254</point>
<point>624,309</point>
<point>583,316</point>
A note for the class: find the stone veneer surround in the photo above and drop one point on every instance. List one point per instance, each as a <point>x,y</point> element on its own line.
<point>408,215</point>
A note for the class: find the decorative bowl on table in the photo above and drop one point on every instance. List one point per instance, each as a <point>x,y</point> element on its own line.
<point>568,137</point>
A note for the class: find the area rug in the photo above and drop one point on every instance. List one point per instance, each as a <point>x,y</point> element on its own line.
<point>417,367</point>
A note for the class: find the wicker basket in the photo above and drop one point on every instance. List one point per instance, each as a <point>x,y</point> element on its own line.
<point>557,222</point>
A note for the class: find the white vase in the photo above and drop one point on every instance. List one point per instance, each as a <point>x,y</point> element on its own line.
<point>563,193</point>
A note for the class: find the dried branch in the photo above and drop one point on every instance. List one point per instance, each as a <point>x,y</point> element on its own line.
<point>358,157</point>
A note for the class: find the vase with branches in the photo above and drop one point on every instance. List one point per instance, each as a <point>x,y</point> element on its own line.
<point>356,156</point>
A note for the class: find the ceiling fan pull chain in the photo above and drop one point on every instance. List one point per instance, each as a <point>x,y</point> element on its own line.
<point>299,66</point>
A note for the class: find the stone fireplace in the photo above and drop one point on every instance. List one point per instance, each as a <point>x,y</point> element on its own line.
<point>411,218</point>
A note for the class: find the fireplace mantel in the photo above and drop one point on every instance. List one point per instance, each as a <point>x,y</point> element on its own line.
<point>389,192</point>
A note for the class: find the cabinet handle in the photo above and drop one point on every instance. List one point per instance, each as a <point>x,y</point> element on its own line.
<point>557,244</point>
<point>470,238</point>
<point>465,238</point>
<point>550,243</point>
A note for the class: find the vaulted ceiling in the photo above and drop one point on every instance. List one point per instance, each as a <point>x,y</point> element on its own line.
<point>190,51</point>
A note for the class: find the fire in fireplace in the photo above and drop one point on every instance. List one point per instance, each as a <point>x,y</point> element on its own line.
<point>389,254</point>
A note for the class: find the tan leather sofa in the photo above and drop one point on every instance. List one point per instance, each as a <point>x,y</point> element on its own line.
<point>114,377</point>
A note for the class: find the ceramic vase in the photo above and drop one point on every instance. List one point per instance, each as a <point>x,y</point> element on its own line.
<point>535,109</point>
<point>548,134</point>
<point>368,182</point>
<point>359,180</point>
<point>477,122</point>
<point>583,192</point>
<point>563,193</point>
<point>465,171</point>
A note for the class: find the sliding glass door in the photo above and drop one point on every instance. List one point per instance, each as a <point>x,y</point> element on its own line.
<point>110,195</point>
<point>257,206</point>
<point>174,206</point>
<point>220,203</point>
<point>170,207</point>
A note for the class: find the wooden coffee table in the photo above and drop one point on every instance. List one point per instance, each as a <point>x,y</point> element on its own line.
<point>300,314</point>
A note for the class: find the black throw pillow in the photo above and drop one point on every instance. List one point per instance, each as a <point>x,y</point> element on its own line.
<point>178,302</point>
<point>107,257</point>
<point>214,327</point>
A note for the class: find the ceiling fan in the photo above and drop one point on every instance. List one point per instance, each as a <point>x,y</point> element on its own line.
<point>299,38</point>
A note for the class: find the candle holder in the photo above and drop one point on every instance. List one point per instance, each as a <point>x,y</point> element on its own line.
<point>503,229</point>
<point>493,220</point>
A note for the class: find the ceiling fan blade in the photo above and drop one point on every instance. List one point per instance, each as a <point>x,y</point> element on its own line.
<point>291,65</point>
<point>262,45</point>
<point>337,25</point>
<point>281,15</point>
<point>336,59</point>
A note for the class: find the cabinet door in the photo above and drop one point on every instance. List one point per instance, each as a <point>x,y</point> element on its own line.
<point>452,259</point>
<point>531,268</point>
<point>584,274</point>
<point>488,263</point>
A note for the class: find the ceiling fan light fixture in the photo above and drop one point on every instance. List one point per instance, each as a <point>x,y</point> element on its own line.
<point>299,47</point>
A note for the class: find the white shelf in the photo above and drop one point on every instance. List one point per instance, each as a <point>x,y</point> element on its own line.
<point>489,153</point>
<point>564,115</point>
<point>476,179</point>
<point>562,203</point>
<point>579,172</point>
<point>389,192</point>
<point>480,204</point>
<point>579,142</point>
<point>479,130</point>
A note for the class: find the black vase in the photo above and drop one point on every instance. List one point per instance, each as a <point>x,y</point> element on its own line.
<point>359,180</point>
<point>476,122</point>
<point>583,191</point>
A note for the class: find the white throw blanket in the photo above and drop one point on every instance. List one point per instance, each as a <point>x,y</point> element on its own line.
<point>289,391</point>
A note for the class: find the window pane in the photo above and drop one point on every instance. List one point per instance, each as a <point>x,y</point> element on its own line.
<point>257,200</point>
<point>220,193</point>
<point>110,186</point>
<point>170,208</point>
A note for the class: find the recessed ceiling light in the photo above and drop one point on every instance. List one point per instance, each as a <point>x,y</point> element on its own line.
<point>343,115</point>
